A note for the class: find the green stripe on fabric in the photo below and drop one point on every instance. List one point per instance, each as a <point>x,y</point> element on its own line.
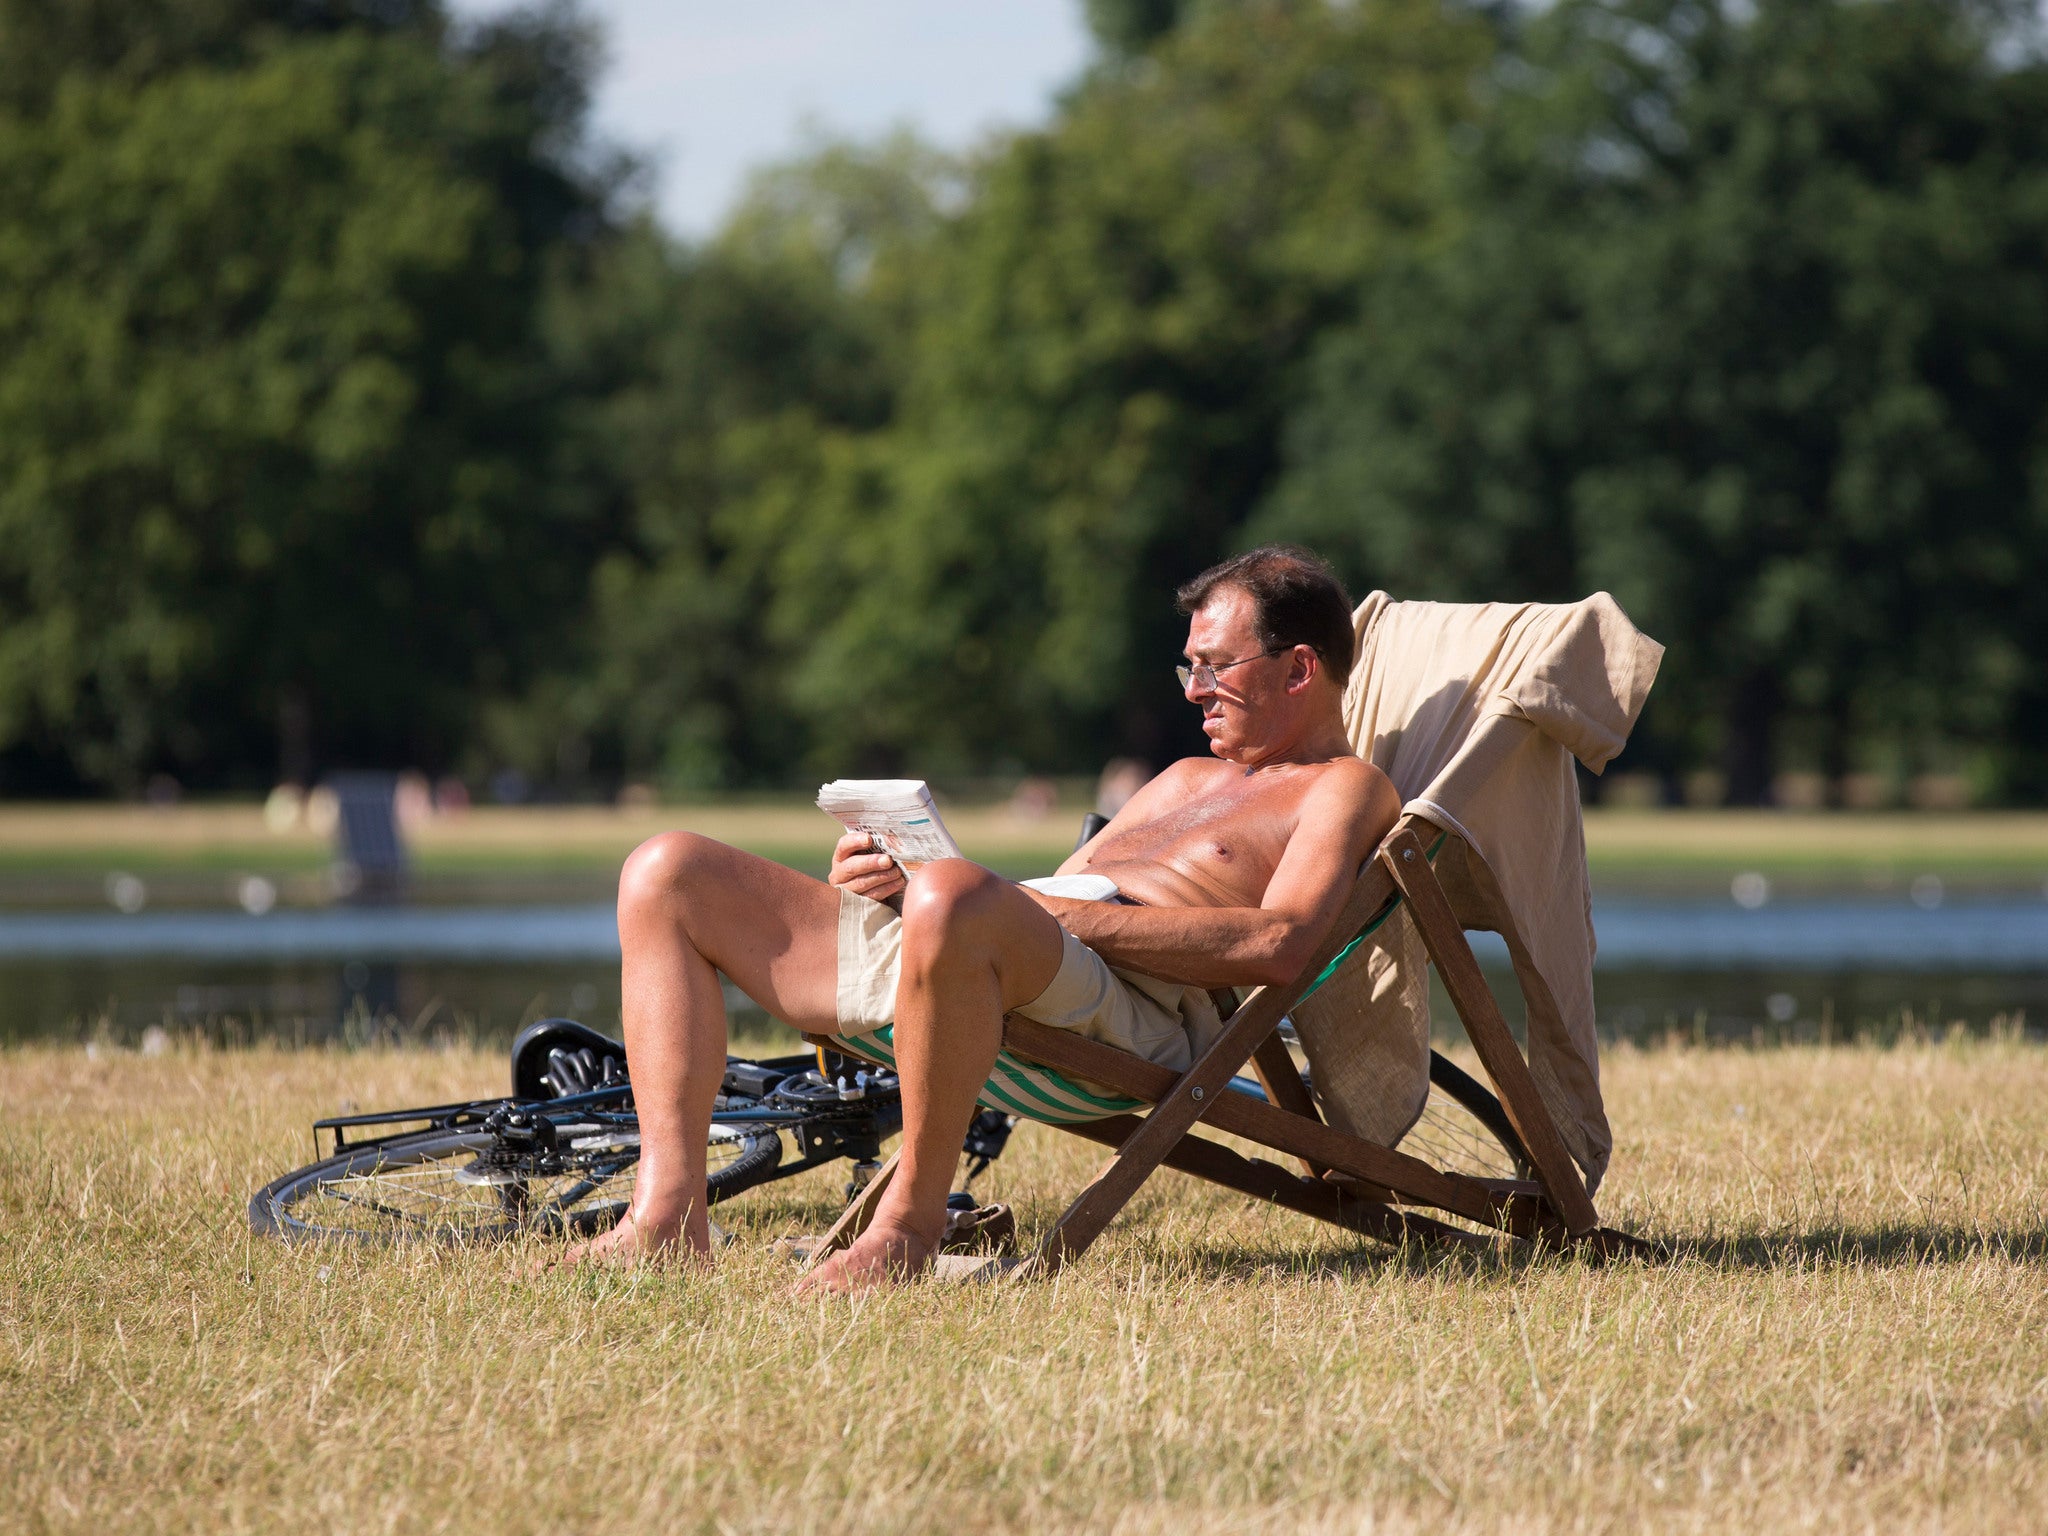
<point>1049,1082</point>
<point>1002,1100</point>
<point>1024,1083</point>
<point>996,1094</point>
<point>873,1046</point>
<point>1116,1104</point>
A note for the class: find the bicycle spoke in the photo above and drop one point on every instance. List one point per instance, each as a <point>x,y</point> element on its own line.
<point>339,1193</point>
<point>515,1172</point>
<point>432,1196</point>
<point>578,1191</point>
<point>1448,1135</point>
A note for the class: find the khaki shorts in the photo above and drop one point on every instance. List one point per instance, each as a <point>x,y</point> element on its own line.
<point>1163,1021</point>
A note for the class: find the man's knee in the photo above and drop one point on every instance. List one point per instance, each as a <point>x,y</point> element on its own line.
<point>944,905</point>
<point>666,866</point>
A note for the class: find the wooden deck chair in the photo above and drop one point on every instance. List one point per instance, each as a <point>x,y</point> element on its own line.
<point>1096,1091</point>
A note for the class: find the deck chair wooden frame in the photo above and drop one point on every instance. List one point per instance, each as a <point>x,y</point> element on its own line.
<point>1348,1181</point>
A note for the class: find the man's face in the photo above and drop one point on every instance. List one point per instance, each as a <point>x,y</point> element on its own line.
<point>1236,712</point>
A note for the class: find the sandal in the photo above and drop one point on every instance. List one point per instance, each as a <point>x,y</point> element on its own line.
<point>983,1229</point>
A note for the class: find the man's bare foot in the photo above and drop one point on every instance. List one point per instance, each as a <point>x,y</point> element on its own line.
<point>885,1254</point>
<point>633,1243</point>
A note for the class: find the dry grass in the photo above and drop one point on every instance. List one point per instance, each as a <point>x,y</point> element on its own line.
<point>1853,1343</point>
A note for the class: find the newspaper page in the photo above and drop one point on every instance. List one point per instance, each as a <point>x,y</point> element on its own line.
<point>897,813</point>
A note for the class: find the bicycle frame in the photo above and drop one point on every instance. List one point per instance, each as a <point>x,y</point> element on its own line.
<point>455,1117</point>
<point>848,1129</point>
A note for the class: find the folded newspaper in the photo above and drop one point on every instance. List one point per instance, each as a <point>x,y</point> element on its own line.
<point>897,813</point>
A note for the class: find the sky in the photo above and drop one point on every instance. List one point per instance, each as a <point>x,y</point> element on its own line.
<point>710,91</point>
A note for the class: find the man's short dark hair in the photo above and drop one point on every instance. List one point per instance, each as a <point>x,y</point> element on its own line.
<point>1296,600</point>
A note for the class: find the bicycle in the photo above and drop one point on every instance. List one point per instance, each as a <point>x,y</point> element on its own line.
<point>556,1156</point>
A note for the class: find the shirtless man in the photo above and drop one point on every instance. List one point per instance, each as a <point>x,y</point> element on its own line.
<point>1237,864</point>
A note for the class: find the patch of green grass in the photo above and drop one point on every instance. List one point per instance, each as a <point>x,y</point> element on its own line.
<point>1853,851</point>
<point>188,854</point>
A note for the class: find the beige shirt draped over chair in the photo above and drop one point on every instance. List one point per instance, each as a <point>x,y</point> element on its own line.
<point>1476,711</point>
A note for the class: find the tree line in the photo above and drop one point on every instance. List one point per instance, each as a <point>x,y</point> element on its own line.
<point>354,410</point>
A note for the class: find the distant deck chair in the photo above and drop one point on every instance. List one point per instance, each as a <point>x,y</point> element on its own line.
<point>370,863</point>
<point>1476,712</point>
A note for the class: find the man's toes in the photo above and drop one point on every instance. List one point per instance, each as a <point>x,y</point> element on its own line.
<point>624,1246</point>
<point>874,1260</point>
<point>843,1274</point>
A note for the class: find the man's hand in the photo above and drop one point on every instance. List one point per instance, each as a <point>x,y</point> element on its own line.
<point>857,865</point>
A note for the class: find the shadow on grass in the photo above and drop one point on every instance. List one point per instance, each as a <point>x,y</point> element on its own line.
<point>812,1207</point>
<point>1871,1247</point>
<point>1823,1248</point>
<point>1238,1261</point>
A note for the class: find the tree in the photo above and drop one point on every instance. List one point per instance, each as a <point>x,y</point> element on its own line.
<point>343,413</point>
<point>1744,322</point>
<point>719,386</point>
<point>45,43</point>
<point>1129,27</point>
<point>1117,323</point>
<point>278,430</point>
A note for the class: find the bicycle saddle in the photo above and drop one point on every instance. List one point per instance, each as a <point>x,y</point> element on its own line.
<point>556,1057</point>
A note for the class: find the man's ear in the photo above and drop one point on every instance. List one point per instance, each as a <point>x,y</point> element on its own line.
<point>1303,668</point>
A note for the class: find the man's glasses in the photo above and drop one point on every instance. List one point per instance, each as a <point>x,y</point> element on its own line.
<point>1205,674</point>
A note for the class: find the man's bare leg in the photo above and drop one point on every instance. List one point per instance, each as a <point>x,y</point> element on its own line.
<point>974,946</point>
<point>689,908</point>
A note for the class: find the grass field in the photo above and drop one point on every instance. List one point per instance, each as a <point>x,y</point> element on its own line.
<point>190,854</point>
<point>1852,1342</point>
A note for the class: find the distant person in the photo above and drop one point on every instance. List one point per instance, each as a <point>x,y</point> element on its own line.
<point>412,800</point>
<point>1034,799</point>
<point>1122,777</point>
<point>1231,869</point>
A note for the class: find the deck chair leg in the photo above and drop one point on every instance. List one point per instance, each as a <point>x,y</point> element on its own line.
<point>1148,1144</point>
<point>1280,1078</point>
<point>855,1218</point>
<point>1338,1205</point>
<point>1097,1204</point>
<point>1444,938</point>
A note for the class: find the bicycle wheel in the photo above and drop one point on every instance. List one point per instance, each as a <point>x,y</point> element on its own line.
<point>463,1187</point>
<point>1463,1129</point>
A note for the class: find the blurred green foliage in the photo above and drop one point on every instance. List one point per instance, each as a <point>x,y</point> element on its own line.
<point>278,421</point>
<point>1745,320</point>
<point>349,412</point>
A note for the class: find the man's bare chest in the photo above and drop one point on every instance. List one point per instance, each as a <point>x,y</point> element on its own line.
<point>1230,835</point>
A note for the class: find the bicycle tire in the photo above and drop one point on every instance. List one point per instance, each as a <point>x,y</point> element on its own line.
<point>413,1188</point>
<point>1463,1128</point>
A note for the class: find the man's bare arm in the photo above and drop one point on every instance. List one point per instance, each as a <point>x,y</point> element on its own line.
<point>1343,821</point>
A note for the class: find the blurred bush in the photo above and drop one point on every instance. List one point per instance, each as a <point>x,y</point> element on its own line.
<point>1744,319</point>
<point>279,427</point>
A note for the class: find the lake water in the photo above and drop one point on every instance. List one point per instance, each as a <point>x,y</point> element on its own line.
<point>1784,969</point>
